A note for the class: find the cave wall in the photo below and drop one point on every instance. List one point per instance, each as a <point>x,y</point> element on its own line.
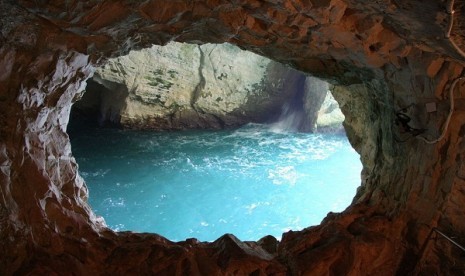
<point>381,55</point>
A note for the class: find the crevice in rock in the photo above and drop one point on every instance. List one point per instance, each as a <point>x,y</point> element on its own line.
<point>201,85</point>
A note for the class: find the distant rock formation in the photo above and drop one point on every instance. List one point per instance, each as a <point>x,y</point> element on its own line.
<point>180,86</point>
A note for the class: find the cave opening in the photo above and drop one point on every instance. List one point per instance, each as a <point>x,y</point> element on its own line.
<point>162,151</point>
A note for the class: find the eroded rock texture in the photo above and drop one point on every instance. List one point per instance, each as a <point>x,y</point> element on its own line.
<point>382,55</point>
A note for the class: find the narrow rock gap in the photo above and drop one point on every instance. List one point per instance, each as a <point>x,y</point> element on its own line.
<point>198,88</point>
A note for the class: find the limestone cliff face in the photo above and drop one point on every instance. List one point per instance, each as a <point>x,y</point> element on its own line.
<point>191,86</point>
<point>383,56</point>
<point>180,86</point>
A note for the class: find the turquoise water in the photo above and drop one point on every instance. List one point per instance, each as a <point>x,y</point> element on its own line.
<point>250,182</point>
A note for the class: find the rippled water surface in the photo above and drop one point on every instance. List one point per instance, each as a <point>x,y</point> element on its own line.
<point>250,182</point>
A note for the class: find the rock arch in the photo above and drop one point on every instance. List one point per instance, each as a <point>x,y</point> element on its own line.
<point>384,55</point>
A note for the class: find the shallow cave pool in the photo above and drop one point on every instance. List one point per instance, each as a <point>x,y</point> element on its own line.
<point>250,182</point>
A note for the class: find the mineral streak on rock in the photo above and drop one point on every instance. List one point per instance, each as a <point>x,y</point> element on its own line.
<point>382,56</point>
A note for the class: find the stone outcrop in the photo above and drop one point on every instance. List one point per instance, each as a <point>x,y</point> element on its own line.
<point>181,86</point>
<point>383,56</point>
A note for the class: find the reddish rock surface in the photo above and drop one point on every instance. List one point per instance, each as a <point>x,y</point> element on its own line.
<point>384,55</point>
